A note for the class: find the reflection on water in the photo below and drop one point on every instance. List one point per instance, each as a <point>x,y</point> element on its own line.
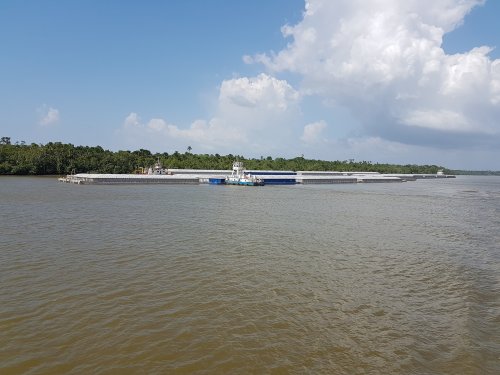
<point>212,279</point>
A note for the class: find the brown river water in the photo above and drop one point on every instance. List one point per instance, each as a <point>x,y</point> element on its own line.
<point>337,279</point>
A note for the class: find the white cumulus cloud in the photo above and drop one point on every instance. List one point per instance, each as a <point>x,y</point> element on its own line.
<point>312,132</point>
<point>384,60</point>
<point>47,115</point>
<point>132,120</point>
<point>251,113</point>
<point>263,91</point>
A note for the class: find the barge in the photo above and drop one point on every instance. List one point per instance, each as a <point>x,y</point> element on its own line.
<point>240,176</point>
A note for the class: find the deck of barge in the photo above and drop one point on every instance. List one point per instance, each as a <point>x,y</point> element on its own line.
<point>195,176</point>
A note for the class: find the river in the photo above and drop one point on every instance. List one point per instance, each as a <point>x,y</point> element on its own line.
<point>336,279</point>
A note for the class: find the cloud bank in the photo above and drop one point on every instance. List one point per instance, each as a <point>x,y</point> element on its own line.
<point>385,62</point>
<point>251,112</point>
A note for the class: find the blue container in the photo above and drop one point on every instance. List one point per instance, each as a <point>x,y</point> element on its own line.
<point>274,173</point>
<point>279,181</point>
<point>216,181</point>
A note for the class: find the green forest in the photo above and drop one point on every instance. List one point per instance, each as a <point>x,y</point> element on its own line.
<point>56,158</point>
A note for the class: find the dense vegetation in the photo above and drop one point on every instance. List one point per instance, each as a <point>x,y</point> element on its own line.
<point>55,158</point>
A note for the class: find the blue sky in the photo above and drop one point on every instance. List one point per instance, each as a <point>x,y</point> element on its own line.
<point>336,79</point>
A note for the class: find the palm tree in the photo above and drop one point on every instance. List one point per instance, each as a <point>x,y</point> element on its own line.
<point>189,149</point>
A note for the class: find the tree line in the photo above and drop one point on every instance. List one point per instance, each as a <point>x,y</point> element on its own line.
<point>56,158</point>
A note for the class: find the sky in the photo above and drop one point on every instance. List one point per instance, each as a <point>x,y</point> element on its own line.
<point>387,81</point>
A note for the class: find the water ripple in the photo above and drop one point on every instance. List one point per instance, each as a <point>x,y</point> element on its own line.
<point>202,279</point>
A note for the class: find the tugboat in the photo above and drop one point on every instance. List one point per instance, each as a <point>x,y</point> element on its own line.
<point>239,177</point>
<point>157,169</point>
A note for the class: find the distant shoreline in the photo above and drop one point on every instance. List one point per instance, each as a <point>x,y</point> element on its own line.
<point>59,159</point>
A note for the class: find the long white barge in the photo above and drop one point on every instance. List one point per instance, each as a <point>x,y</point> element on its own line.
<point>204,178</point>
<point>113,179</point>
<point>159,175</point>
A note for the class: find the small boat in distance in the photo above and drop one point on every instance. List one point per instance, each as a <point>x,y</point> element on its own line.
<point>239,177</point>
<point>157,169</point>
